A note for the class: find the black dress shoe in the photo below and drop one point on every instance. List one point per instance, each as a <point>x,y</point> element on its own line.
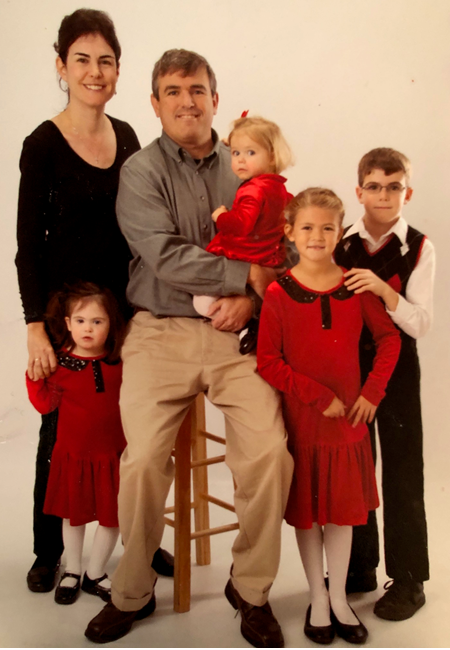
<point>67,595</point>
<point>258,624</point>
<point>401,600</point>
<point>41,577</point>
<point>163,563</point>
<point>319,634</point>
<point>112,623</point>
<point>350,633</point>
<point>93,587</point>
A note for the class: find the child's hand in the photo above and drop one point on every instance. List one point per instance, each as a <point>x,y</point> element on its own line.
<point>361,280</point>
<point>216,214</point>
<point>335,410</point>
<point>362,411</point>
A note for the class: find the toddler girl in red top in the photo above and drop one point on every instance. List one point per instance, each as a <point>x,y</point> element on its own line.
<point>308,349</point>
<point>253,230</point>
<point>83,484</point>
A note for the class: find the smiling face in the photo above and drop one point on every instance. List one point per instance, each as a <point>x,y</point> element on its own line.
<point>383,209</point>
<point>89,327</point>
<point>186,108</point>
<point>315,233</point>
<point>91,71</point>
<point>248,157</point>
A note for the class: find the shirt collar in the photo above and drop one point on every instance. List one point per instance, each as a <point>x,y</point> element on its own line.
<point>181,155</point>
<point>400,228</point>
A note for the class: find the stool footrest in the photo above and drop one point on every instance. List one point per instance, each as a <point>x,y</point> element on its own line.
<point>218,502</point>
<point>211,436</point>
<point>214,531</point>
<point>213,460</point>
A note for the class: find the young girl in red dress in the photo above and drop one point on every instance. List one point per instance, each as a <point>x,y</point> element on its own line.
<point>308,349</point>
<point>253,230</point>
<point>83,485</point>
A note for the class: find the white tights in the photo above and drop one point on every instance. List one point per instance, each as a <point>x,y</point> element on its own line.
<point>337,541</point>
<point>102,547</point>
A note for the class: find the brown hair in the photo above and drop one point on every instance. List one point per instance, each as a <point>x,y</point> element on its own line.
<point>186,63</point>
<point>269,136</point>
<point>388,160</point>
<point>81,23</point>
<point>317,196</point>
<point>62,304</point>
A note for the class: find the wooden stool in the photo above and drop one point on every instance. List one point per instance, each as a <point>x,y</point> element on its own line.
<point>190,454</point>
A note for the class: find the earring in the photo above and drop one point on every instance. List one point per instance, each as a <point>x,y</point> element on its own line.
<point>63,85</point>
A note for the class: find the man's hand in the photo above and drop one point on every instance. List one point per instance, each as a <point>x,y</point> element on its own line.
<point>260,277</point>
<point>41,356</point>
<point>216,214</point>
<point>231,314</point>
<point>362,411</point>
<point>361,280</point>
<point>335,410</point>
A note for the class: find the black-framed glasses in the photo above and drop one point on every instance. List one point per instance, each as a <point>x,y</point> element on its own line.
<point>391,188</point>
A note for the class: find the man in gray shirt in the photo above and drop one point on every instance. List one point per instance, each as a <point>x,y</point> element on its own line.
<point>166,196</point>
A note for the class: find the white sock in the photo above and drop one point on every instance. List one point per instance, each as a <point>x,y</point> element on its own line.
<point>102,547</point>
<point>73,537</point>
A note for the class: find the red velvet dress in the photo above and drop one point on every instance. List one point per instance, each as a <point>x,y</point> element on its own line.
<point>253,230</point>
<point>308,349</point>
<point>84,471</point>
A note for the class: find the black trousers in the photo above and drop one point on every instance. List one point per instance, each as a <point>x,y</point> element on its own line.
<point>399,424</point>
<point>48,542</point>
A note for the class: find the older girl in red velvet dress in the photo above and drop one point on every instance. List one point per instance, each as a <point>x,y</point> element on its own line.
<point>308,349</point>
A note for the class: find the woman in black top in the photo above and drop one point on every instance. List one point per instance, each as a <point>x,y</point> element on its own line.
<point>67,227</point>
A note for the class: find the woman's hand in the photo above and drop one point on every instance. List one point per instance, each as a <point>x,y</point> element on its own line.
<point>335,410</point>
<point>362,411</point>
<point>41,356</point>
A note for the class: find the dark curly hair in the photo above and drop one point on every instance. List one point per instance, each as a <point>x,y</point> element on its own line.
<point>61,305</point>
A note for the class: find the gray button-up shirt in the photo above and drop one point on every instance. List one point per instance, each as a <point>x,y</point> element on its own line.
<point>164,208</point>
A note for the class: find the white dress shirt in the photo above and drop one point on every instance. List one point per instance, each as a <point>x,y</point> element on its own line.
<point>414,314</point>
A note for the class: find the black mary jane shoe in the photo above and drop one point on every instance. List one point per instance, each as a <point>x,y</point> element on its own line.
<point>318,633</point>
<point>67,595</point>
<point>93,587</point>
<point>249,340</point>
<point>351,633</point>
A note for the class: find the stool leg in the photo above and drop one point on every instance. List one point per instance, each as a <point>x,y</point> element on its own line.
<point>200,482</point>
<point>182,571</point>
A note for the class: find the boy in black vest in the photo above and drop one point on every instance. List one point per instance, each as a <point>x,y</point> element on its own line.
<point>396,262</point>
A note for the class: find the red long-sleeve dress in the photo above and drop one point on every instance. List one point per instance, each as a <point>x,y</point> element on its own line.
<point>84,471</point>
<point>253,230</point>
<point>308,349</point>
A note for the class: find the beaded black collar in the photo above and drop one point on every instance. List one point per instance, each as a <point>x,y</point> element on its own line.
<point>74,363</point>
<point>302,295</point>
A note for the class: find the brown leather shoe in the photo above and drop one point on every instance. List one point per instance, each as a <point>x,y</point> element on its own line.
<point>163,563</point>
<point>112,623</point>
<point>258,624</point>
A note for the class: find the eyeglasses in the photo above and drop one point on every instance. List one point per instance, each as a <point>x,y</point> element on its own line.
<point>391,188</point>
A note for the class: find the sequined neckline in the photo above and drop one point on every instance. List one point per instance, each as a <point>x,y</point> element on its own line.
<point>300,294</point>
<point>77,364</point>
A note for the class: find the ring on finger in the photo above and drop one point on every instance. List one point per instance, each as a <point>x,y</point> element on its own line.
<point>36,360</point>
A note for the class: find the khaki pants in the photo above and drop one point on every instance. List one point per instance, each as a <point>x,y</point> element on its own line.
<point>167,363</point>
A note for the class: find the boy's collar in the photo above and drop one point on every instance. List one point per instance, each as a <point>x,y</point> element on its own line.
<point>400,228</point>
